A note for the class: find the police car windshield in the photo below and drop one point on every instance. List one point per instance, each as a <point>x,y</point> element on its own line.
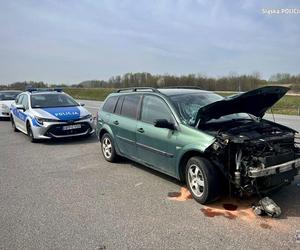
<point>51,101</point>
<point>8,96</point>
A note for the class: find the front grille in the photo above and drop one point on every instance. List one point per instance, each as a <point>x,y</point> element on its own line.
<point>57,129</point>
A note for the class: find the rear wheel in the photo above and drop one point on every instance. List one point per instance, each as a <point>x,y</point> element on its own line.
<point>13,124</point>
<point>108,148</point>
<point>203,180</point>
<point>30,133</point>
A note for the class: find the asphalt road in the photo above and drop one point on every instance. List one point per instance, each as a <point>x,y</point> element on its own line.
<point>64,195</point>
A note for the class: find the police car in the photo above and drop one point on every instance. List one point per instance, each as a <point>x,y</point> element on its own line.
<point>50,113</point>
<point>7,98</point>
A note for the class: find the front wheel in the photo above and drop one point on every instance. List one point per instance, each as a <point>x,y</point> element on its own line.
<point>108,148</point>
<point>13,124</point>
<point>30,133</point>
<point>203,180</point>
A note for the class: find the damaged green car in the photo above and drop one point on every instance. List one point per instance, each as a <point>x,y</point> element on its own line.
<point>210,142</point>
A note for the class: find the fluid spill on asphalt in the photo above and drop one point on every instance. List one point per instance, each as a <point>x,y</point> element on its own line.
<point>209,212</point>
<point>174,194</point>
<point>231,208</point>
<point>183,195</point>
<point>265,226</point>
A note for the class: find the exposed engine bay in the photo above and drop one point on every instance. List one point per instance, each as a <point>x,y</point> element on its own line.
<point>255,155</point>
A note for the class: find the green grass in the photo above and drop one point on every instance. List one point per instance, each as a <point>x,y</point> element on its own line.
<point>288,105</point>
<point>98,94</point>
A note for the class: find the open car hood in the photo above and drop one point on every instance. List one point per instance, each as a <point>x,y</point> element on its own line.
<point>255,102</point>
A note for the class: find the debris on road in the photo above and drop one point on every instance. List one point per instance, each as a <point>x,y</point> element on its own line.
<point>183,195</point>
<point>267,206</point>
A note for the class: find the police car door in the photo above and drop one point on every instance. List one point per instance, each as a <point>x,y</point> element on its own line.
<point>23,113</point>
<point>16,111</point>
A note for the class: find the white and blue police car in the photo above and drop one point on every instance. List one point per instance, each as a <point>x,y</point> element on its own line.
<point>50,113</point>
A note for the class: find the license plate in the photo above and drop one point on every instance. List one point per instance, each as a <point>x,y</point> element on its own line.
<point>69,127</point>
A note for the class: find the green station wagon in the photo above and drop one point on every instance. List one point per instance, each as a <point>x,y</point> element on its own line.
<point>210,142</point>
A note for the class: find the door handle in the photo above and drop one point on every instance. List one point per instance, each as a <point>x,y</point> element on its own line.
<point>116,122</point>
<point>141,130</point>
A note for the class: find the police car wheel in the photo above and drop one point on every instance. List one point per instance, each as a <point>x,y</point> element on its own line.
<point>107,148</point>
<point>13,125</point>
<point>30,133</point>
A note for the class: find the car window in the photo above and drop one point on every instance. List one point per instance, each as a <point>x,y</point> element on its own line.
<point>52,101</point>
<point>24,101</point>
<point>19,99</point>
<point>119,105</point>
<point>155,108</point>
<point>110,104</point>
<point>187,105</point>
<point>130,106</point>
<point>5,96</point>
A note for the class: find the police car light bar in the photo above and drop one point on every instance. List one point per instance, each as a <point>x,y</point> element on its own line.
<point>43,89</point>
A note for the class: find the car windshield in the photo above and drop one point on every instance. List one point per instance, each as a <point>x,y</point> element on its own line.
<point>8,96</point>
<point>187,106</point>
<point>51,101</point>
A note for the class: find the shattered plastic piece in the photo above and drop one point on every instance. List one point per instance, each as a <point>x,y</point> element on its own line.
<point>267,206</point>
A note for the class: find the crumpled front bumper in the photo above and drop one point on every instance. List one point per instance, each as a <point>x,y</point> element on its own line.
<point>276,169</point>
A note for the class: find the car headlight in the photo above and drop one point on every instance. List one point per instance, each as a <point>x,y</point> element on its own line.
<point>4,107</point>
<point>42,120</point>
<point>89,116</point>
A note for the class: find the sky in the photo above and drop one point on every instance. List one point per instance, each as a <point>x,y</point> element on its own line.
<point>68,41</point>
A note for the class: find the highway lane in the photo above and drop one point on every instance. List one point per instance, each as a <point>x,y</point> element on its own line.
<point>64,195</point>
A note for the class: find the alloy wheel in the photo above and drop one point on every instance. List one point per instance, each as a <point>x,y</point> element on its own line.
<point>107,147</point>
<point>196,180</point>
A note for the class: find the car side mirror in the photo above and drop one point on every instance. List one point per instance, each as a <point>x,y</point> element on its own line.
<point>81,104</point>
<point>20,106</point>
<point>163,123</point>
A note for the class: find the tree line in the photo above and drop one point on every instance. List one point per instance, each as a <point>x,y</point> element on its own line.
<point>232,82</point>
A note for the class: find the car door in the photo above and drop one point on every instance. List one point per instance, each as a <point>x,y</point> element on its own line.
<point>15,111</point>
<point>22,114</point>
<point>156,146</point>
<point>124,122</point>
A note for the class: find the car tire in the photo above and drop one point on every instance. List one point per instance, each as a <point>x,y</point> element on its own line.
<point>30,133</point>
<point>108,148</point>
<point>203,180</point>
<point>13,124</point>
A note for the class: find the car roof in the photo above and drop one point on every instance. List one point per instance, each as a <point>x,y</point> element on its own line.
<point>171,91</point>
<point>181,91</point>
<point>44,92</point>
<point>17,91</point>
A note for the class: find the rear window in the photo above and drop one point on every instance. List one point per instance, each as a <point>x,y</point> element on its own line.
<point>8,96</point>
<point>130,106</point>
<point>109,105</point>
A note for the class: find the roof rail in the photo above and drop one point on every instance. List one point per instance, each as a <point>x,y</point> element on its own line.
<point>182,87</point>
<point>43,89</point>
<point>137,89</point>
